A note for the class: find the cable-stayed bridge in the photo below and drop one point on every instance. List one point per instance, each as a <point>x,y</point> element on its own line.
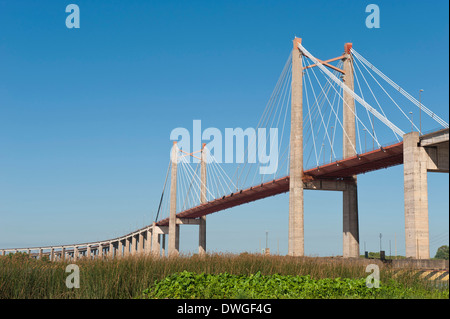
<point>331,120</point>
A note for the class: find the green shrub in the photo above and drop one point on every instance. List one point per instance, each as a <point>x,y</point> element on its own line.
<point>189,285</point>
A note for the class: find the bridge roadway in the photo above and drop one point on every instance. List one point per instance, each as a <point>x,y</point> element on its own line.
<point>339,170</point>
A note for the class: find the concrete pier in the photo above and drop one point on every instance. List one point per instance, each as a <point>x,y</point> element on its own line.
<point>119,249</point>
<point>202,224</point>
<point>111,250</point>
<point>163,245</point>
<point>421,154</point>
<point>148,242</point>
<point>140,249</point>
<point>156,248</point>
<point>127,246</point>
<point>350,195</point>
<point>133,245</point>
<point>174,229</point>
<point>415,160</point>
<point>296,206</point>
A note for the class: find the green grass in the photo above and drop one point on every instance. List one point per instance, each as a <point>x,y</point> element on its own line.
<point>124,278</point>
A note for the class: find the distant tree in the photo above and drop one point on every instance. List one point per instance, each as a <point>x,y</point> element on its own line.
<point>442,253</point>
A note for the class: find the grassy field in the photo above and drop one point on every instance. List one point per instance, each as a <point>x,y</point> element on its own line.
<point>214,276</point>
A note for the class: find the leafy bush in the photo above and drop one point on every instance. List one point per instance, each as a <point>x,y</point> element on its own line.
<point>187,285</point>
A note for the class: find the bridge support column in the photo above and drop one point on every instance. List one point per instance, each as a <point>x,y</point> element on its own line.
<point>174,229</point>
<point>119,249</point>
<point>350,195</point>
<point>350,220</point>
<point>202,224</point>
<point>163,245</point>
<point>415,163</point>
<point>148,241</point>
<point>133,244</point>
<point>296,206</point>
<point>156,248</point>
<point>127,246</point>
<point>141,243</point>
<point>111,250</point>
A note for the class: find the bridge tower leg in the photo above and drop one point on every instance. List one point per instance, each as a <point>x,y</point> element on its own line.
<point>174,229</point>
<point>296,206</point>
<point>202,222</point>
<point>350,195</point>
<point>415,159</point>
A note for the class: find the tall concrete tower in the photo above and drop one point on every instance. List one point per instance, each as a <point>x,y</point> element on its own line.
<point>296,227</point>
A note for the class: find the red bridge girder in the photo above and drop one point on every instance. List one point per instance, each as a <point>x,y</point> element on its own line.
<point>359,164</point>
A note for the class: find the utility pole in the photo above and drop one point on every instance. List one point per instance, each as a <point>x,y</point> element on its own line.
<point>267,239</point>
<point>323,150</point>
<point>365,141</point>
<point>373,134</point>
<point>420,114</point>
<point>417,248</point>
<point>380,240</point>
<point>395,244</point>
<point>237,178</point>
<point>331,148</point>
<point>390,254</point>
<point>412,123</point>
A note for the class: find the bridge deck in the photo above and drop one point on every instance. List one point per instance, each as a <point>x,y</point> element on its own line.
<point>359,164</point>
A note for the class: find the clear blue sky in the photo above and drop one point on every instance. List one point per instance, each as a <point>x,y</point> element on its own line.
<point>85,114</point>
